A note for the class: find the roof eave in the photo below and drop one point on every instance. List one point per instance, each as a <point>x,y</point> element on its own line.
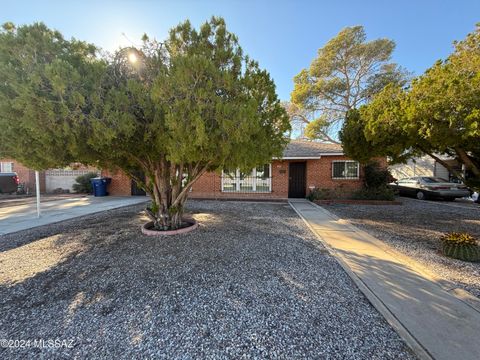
<point>298,158</point>
<point>333,154</point>
<point>308,157</point>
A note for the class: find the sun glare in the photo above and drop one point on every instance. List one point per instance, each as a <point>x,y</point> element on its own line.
<point>132,57</point>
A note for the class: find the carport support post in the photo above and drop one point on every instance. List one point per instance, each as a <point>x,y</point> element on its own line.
<point>37,190</point>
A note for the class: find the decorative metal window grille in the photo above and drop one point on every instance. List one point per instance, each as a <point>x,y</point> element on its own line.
<point>259,180</point>
<point>345,169</point>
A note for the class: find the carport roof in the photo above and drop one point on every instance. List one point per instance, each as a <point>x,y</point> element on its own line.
<point>304,149</point>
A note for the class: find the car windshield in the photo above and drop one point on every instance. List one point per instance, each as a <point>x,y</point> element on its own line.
<point>434,180</point>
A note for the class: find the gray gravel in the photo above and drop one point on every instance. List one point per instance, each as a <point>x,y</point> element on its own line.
<point>415,228</point>
<point>251,282</point>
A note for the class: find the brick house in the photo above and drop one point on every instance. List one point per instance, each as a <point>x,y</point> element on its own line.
<point>25,174</point>
<point>304,165</point>
<point>50,180</point>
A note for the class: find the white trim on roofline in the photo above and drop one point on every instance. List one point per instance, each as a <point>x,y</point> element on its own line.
<point>296,157</point>
<point>307,157</point>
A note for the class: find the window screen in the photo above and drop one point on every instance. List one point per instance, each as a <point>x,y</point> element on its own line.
<point>345,170</point>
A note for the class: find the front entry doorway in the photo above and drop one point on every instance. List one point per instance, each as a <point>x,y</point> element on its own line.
<point>297,180</point>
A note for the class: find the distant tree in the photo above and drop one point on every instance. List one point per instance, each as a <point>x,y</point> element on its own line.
<point>171,110</point>
<point>347,73</point>
<point>438,114</point>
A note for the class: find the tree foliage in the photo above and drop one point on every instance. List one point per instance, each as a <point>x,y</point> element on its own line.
<point>45,89</point>
<point>347,72</point>
<point>438,114</point>
<point>170,110</point>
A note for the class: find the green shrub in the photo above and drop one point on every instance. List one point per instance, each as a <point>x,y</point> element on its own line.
<point>462,246</point>
<point>323,194</point>
<point>379,193</point>
<point>82,184</point>
<point>375,176</point>
<point>375,182</point>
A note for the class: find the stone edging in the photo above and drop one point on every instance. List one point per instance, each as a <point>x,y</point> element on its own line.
<point>357,202</point>
<point>184,230</point>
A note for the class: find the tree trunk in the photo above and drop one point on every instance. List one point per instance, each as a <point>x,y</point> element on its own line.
<point>169,194</point>
<point>469,164</point>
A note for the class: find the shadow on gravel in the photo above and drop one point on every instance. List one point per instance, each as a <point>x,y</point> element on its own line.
<point>250,281</point>
<point>415,229</point>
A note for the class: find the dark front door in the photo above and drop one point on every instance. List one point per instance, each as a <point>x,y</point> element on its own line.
<point>136,190</point>
<point>296,180</point>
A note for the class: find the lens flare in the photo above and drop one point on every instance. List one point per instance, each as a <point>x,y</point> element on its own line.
<point>132,57</point>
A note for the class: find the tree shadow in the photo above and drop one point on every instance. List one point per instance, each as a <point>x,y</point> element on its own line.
<point>250,275</point>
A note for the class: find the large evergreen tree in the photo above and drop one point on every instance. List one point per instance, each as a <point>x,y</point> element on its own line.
<point>46,87</point>
<point>170,110</point>
<point>438,114</point>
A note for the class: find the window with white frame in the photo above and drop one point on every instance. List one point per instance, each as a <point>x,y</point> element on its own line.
<point>345,169</point>
<point>257,180</point>
<point>6,167</point>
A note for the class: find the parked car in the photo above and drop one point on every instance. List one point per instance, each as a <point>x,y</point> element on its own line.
<point>425,187</point>
<point>8,182</point>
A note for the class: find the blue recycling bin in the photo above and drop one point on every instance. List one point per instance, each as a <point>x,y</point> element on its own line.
<point>99,185</point>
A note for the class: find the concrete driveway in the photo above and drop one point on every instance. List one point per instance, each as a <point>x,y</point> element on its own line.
<point>20,217</point>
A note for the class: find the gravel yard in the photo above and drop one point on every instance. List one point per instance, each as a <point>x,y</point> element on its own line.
<point>251,282</point>
<point>414,229</point>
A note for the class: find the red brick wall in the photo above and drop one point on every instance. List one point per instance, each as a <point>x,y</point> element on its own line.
<point>121,184</point>
<point>27,176</point>
<point>209,186</point>
<point>318,174</point>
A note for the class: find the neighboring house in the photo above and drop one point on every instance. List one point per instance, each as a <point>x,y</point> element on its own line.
<point>305,165</point>
<point>26,176</point>
<point>50,180</point>
<point>425,166</point>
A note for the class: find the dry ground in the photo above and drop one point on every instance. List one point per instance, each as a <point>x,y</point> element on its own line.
<point>251,282</point>
<point>415,228</point>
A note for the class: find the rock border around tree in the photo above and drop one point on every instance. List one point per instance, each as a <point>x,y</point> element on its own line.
<point>147,229</point>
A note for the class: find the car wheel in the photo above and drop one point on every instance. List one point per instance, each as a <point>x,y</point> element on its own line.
<point>421,195</point>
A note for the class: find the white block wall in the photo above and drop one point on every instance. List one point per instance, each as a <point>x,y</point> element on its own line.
<point>64,179</point>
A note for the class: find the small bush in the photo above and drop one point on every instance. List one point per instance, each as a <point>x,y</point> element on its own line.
<point>462,246</point>
<point>82,184</point>
<point>375,176</point>
<point>322,194</point>
<point>379,193</point>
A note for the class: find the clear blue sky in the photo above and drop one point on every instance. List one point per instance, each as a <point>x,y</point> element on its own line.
<point>283,36</point>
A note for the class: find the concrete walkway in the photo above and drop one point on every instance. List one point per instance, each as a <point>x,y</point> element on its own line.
<point>432,321</point>
<point>21,217</point>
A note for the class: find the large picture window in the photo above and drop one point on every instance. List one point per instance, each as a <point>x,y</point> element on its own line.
<point>257,180</point>
<point>346,169</point>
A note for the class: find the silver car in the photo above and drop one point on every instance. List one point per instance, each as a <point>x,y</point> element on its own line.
<point>425,187</point>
